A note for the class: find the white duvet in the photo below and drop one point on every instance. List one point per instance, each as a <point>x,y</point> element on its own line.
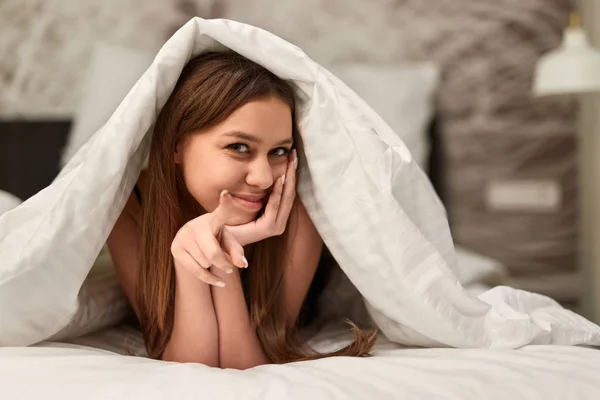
<point>373,206</point>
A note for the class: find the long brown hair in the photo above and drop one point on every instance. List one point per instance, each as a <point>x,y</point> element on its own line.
<point>211,87</point>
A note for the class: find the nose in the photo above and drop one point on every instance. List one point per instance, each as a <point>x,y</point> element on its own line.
<point>260,173</point>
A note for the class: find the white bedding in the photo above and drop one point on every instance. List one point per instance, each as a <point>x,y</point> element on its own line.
<point>69,371</point>
<point>371,203</point>
<point>92,367</point>
<point>374,208</point>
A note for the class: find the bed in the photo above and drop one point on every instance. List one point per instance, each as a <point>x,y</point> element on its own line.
<point>98,367</point>
<point>111,362</point>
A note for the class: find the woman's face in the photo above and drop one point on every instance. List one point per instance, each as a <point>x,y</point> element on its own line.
<point>245,155</point>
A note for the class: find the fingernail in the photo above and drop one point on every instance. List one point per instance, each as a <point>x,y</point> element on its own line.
<point>282,180</point>
<point>295,159</point>
<point>220,284</point>
<point>223,193</point>
<point>245,262</point>
<point>229,271</point>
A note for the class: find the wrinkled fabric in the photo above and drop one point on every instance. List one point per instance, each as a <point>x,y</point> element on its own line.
<point>373,206</point>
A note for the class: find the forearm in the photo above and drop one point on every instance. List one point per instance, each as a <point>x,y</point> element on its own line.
<point>239,346</point>
<point>195,336</point>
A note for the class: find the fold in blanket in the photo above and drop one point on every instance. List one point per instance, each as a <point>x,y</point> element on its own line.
<point>373,206</point>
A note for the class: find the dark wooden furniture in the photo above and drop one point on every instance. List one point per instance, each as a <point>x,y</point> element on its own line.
<point>29,154</point>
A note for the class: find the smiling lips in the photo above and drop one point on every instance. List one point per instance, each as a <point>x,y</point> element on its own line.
<point>251,202</point>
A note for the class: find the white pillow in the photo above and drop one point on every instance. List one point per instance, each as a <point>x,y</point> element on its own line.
<point>8,201</point>
<point>474,268</point>
<point>373,206</point>
<point>402,94</point>
<point>112,72</point>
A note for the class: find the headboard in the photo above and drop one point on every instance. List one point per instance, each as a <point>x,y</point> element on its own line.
<point>30,153</point>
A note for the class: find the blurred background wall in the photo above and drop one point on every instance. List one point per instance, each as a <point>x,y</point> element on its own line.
<point>50,43</point>
<point>504,163</point>
<point>589,142</point>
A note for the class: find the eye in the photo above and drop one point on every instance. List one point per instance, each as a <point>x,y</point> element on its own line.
<point>280,151</point>
<point>239,147</point>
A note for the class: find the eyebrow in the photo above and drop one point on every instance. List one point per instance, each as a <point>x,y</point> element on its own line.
<point>251,138</point>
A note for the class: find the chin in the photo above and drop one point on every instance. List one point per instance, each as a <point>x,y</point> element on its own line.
<point>242,218</point>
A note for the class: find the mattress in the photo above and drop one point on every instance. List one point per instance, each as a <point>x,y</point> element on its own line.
<point>76,370</point>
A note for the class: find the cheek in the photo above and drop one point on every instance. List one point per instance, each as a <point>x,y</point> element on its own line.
<point>279,169</point>
<point>205,180</point>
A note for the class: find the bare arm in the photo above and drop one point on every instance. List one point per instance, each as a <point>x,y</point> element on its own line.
<point>194,337</point>
<point>195,334</point>
<point>239,346</point>
<point>304,248</point>
<point>123,243</point>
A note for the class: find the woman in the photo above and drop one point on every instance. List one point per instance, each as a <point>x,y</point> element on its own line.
<point>213,249</point>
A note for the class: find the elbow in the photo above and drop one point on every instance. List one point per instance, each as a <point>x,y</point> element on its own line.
<point>242,362</point>
<point>189,357</point>
<point>242,366</point>
<point>239,365</point>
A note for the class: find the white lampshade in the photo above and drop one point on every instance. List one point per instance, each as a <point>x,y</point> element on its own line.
<point>572,68</point>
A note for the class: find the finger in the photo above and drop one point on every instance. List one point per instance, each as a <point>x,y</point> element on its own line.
<point>215,255</point>
<point>235,250</point>
<point>272,207</point>
<point>220,215</point>
<point>295,159</point>
<point>187,261</point>
<point>188,242</point>
<point>193,247</point>
<point>288,195</point>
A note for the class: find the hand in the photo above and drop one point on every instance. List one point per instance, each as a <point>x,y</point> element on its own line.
<point>205,242</point>
<point>274,219</point>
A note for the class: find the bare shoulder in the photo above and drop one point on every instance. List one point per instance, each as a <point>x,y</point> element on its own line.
<point>301,228</point>
<point>124,243</point>
<point>133,207</point>
<point>299,215</point>
<point>305,247</point>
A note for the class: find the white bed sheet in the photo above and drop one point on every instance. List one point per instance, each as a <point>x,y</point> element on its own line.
<point>53,370</point>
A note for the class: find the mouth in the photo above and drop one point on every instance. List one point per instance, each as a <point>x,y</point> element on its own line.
<point>249,202</point>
